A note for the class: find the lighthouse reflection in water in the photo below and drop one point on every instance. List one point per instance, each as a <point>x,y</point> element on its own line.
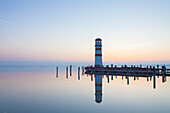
<point>98,88</point>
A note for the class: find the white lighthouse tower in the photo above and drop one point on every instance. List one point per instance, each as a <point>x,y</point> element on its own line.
<point>98,53</point>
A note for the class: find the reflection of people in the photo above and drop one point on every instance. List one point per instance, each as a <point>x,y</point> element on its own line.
<point>98,88</point>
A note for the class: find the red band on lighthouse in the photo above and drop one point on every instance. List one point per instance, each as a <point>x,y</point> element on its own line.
<point>98,91</point>
<point>98,45</point>
<point>98,54</point>
<point>98,84</point>
<point>98,48</point>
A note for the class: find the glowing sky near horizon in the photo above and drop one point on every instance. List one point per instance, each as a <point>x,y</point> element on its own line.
<point>57,30</point>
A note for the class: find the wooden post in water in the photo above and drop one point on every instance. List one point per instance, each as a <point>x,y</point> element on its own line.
<point>134,69</point>
<point>116,69</point>
<point>66,72</point>
<point>122,71</point>
<point>158,70</point>
<point>147,70</point>
<point>82,67</point>
<point>107,67</point>
<point>140,65</point>
<point>57,71</point>
<point>147,73</point>
<point>127,76</point>
<point>138,70</point>
<point>126,71</point>
<point>112,71</point>
<point>150,75</point>
<point>78,73</point>
<point>70,70</point>
<point>163,73</point>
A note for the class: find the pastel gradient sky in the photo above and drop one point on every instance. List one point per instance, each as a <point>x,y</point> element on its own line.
<point>65,30</point>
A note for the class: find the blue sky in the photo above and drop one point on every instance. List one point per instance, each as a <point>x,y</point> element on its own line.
<point>64,31</point>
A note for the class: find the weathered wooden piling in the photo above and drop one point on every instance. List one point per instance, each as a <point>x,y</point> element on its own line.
<point>163,73</point>
<point>107,73</point>
<point>70,70</point>
<point>157,70</point>
<point>82,67</point>
<point>112,71</point>
<point>140,65</point>
<point>66,72</point>
<point>147,71</point>
<point>57,71</point>
<point>78,73</point>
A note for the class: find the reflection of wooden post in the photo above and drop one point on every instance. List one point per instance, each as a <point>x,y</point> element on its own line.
<point>91,76</point>
<point>163,73</point>
<point>57,72</point>
<point>112,77</point>
<point>147,78</point>
<point>127,80</point>
<point>108,78</point>
<point>154,79</point>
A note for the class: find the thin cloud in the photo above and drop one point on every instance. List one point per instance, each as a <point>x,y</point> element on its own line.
<point>6,21</point>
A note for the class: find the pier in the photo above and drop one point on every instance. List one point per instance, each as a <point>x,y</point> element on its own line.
<point>128,71</point>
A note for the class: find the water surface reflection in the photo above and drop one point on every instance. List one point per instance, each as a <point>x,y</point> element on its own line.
<point>37,90</point>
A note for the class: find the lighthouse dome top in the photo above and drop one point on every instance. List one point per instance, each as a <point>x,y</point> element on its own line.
<point>98,39</point>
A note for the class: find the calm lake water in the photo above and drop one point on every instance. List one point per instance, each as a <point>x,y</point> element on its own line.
<point>35,89</point>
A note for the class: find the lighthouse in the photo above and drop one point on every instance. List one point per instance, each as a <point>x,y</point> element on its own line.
<point>98,53</point>
<point>98,63</point>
